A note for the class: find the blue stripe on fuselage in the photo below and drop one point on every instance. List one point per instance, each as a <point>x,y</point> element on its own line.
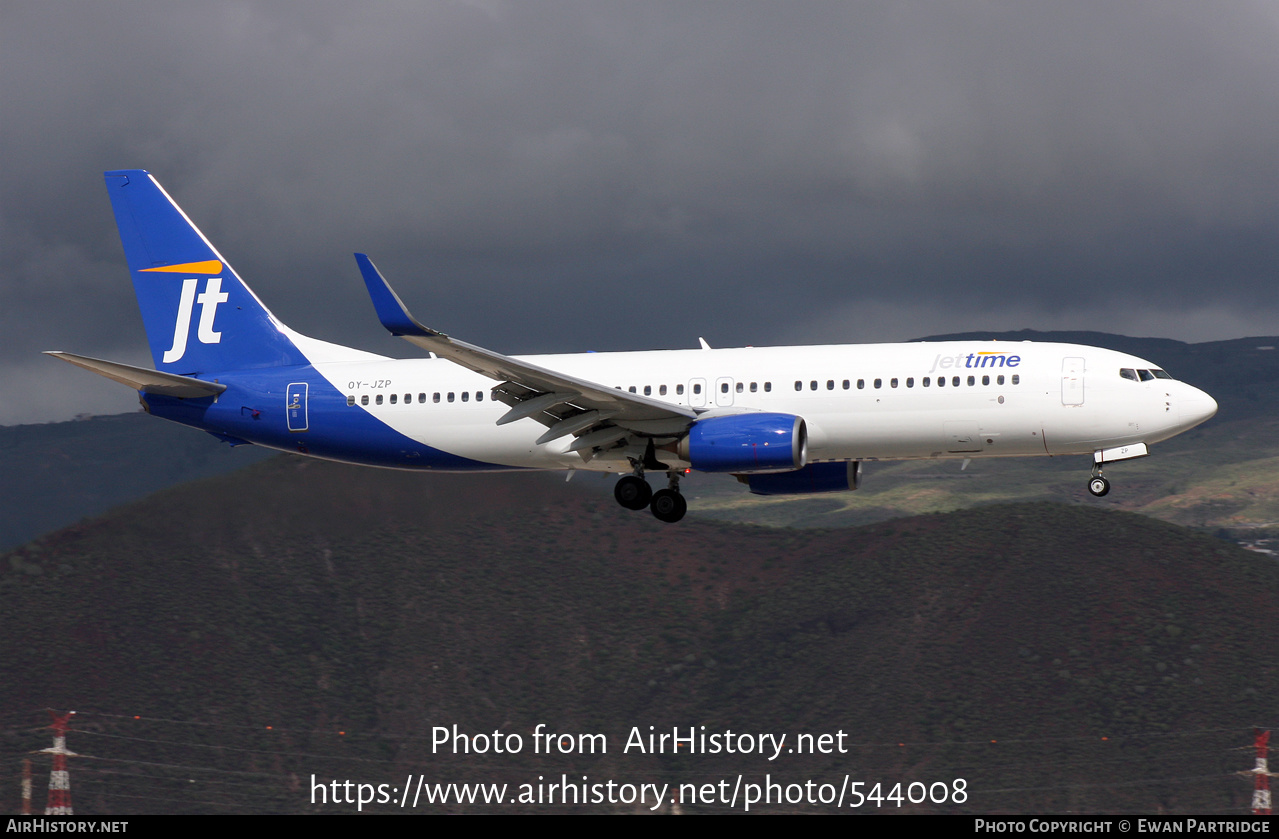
<point>253,408</point>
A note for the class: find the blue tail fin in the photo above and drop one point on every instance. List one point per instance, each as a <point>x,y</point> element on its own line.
<point>199,315</point>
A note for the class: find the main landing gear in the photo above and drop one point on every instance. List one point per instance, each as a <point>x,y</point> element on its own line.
<point>634,493</point>
<point>667,504</point>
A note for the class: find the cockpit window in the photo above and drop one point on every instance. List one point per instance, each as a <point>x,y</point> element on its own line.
<point>1142,375</point>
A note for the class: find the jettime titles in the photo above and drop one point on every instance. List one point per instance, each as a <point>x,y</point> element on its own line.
<point>975,359</point>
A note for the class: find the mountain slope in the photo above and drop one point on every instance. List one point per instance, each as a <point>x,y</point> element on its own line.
<point>317,598</point>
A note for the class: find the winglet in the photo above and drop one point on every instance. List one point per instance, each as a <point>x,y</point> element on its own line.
<point>391,311</point>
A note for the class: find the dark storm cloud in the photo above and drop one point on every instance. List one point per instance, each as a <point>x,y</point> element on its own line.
<point>558,176</point>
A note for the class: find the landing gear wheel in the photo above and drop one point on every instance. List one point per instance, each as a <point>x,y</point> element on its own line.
<point>668,505</point>
<point>1099,486</point>
<point>633,492</point>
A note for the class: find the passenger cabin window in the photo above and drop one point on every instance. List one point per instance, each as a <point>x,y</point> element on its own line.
<point>364,400</point>
<point>927,381</point>
<point>972,380</point>
<point>466,396</point>
<point>830,384</point>
<point>768,387</point>
<point>892,382</point>
<point>861,384</point>
<point>697,388</point>
<point>879,383</point>
<point>910,382</point>
<point>739,387</point>
<point>648,390</point>
<point>350,401</point>
<point>1016,378</point>
<point>421,398</point>
<point>393,395</point>
<point>379,399</point>
<point>954,381</point>
<point>450,396</point>
<point>679,390</point>
<point>435,397</point>
<point>661,391</point>
<point>812,385</point>
<point>985,380</point>
<point>723,387</point>
<point>846,384</point>
<point>479,396</point>
<point>754,387</point>
<point>799,385</point>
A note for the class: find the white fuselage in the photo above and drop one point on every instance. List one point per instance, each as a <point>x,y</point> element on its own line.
<point>860,402</point>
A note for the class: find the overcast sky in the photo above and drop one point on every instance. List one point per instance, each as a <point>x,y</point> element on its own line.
<point>568,176</point>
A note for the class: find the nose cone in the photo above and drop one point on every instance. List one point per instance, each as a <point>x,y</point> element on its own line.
<point>1196,407</point>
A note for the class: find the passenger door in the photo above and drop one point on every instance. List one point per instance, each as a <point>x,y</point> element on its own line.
<point>1072,381</point>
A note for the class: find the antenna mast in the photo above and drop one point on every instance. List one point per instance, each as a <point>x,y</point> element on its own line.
<point>59,779</point>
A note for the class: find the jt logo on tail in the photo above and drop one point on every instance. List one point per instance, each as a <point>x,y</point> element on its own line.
<point>209,300</point>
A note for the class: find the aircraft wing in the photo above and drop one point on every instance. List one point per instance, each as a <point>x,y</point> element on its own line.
<point>566,404</point>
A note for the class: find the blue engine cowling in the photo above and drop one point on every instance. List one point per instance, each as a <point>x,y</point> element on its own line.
<point>747,443</point>
<point>815,477</point>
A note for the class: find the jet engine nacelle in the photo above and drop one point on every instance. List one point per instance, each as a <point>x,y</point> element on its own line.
<point>746,443</point>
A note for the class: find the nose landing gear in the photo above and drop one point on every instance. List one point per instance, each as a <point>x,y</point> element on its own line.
<point>1098,485</point>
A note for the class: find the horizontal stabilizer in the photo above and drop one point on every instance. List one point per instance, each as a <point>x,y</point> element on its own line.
<point>140,378</point>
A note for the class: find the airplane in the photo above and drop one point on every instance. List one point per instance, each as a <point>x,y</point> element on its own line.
<point>783,420</point>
